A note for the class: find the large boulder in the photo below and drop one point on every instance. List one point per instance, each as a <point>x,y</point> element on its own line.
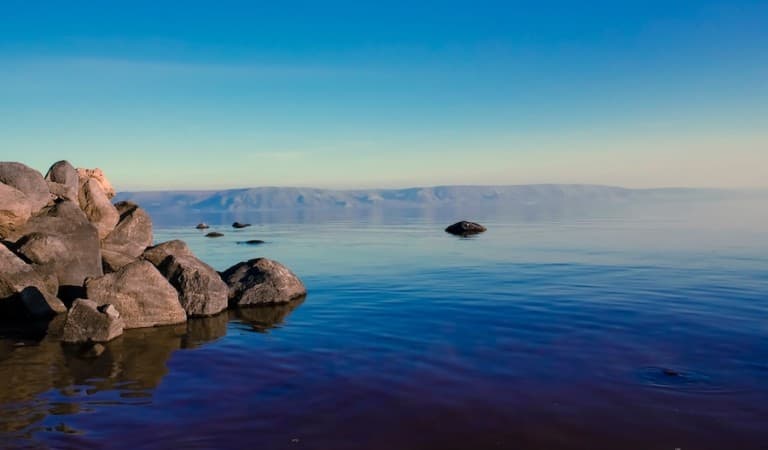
<point>89,322</point>
<point>97,207</point>
<point>262,281</point>
<point>62,238</point>
<point>15,209</point>
<point>465,228</point>
<point>23,290</point>
<point>27,180</point>
<point>96,174</point>
<point>63,181</point>
<point>114,261</point>
<point>140,293</point>
<point>201,290</point>
<point>133,233</point>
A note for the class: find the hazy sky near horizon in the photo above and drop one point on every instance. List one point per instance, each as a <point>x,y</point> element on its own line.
<point>222,94</point>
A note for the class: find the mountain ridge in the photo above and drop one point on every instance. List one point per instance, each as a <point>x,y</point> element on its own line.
<point>277,198</point>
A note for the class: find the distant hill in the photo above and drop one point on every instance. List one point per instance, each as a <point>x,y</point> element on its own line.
<point>282,198</point>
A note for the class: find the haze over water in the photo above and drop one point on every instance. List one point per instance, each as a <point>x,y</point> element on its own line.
<point>632,328</point>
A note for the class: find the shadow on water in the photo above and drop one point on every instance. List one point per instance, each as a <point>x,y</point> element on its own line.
<point>43,377</point>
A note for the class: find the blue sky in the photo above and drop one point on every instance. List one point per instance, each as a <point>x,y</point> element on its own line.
<point>346,94</point>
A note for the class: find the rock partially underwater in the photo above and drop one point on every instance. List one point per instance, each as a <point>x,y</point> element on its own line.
<point>465,228</point>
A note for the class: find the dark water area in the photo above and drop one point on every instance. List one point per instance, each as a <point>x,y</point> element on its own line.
<point>632,328</point>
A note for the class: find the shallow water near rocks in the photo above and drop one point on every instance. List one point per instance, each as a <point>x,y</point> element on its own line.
<point>638,328</point>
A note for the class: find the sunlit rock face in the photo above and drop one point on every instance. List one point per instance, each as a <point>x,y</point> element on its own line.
<point>262,281</point>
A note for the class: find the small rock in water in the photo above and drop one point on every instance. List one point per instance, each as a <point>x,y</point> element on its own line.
<point>465,228</point>
<point>671,372</point>
<point>251,242</point>
<point>214,234</point>
<point>240,225</point>
<point>202,226</point>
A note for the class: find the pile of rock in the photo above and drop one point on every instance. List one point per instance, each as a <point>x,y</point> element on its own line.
<point>67,249</point>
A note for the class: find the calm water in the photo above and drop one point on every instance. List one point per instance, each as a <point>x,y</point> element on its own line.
<point>645,328</point>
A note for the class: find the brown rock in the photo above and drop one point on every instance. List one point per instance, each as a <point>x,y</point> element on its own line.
<point>97,207</point>
<point>140,293</point>
<point>133,233</point>
<point>15,209</point>
<point>61,238</point>
<point>27,180</point>
<point>63,181</point>
<point>262,281</point>
<point>201,290</point>
<point>101,179</point>
<point>23,290</point>
<point>88,322</point>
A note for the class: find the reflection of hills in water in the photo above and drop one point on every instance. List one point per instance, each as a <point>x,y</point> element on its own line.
<point>44,377</point>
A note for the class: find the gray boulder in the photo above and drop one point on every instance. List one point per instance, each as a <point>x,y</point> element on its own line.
<point>262,281</point>
<point>465,228</point>
<point>97,207</point>
<point>89,322</point>
<point>15,209</point>
<point>61,238</point>
<point>133,233</point>
<point>140,293</point>
<point>201,290</point>
<point>63,181</point>
<point>23,290</point>
<point>27,180</point>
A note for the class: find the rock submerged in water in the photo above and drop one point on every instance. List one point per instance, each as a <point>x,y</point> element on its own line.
<point>214,234</point>
<point>88,322</point>
<point>262,281</point>
<point>251,242</point>
<point>202,226</point>
<point>240,225</point>
<point>465,228</point>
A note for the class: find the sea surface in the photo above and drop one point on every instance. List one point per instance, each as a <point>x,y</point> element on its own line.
<point>639,327</point>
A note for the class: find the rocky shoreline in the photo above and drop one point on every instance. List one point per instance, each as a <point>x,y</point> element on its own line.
<point>66,249</point>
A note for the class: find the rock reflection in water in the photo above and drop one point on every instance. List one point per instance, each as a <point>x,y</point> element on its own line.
<point>262,318</point>
<point>43,377</point>
<point>202,330</point>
